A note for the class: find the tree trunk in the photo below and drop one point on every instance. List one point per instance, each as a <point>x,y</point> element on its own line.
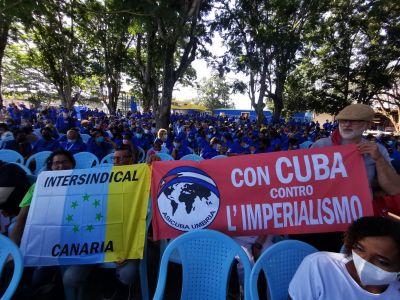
<point>278,98</point>
<point>259,109</point>
<point>4,30</point>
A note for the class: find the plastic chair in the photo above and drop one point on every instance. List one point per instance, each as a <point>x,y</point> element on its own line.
<point>7,247</point>
<point>165,156</point>
<point>279,263</point>
<point>108,159</point>
<point>85,137</point>
<point>85,160</point>
<point>11,156</point>
<point>27,170</point>
<point>193,157</point>
<point>305,145</point>
<point>40,160</point>
<point>219,156</point>
<point>207,257</point>
<point>141,155</point>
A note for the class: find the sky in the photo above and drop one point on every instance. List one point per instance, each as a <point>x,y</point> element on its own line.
<point>240,101</point>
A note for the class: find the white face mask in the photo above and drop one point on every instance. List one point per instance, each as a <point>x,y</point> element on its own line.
<point>372,275</point>
<point>350,133</point>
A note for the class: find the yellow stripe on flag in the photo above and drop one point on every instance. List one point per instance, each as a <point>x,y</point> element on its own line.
<point>126,212</point>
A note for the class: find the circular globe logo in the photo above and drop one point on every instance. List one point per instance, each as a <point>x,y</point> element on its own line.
<point>188,198</point>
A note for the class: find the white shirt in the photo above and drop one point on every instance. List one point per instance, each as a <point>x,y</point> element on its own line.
<point>323,276</point>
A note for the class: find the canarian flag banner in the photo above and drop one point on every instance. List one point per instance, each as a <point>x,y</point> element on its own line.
<point>302,191</point>
<point>87,216</point>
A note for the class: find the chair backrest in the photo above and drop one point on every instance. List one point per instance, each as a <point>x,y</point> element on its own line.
<point>7,247</point>
<point>219,156</point>
<point>207,257</point>
<point>85,137</point>
<point>11,156</point>
<point>108,159</point>
<point>305,145</point>
<point>40,160</point>
<point>164,156</point>
<point>141,155</point>
<point>27,170</point>
<point>193,157</point>
<point>279,263</point>
<point>85,160</point>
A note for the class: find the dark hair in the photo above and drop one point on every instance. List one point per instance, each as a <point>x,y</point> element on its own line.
<point>131,151</point>
<point>371,227</point>
<point>49,160</point>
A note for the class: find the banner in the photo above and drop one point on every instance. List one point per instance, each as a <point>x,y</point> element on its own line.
<point>87,216</point>
<point>302,191</point>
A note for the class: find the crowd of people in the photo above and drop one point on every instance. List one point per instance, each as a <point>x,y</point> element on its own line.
<point>61,131</point>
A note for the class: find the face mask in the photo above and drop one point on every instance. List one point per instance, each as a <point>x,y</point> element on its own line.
<point>209,136</point>
<point>190,140</point>
<point>176,145</point>
<point>245,146</point>
<point>164,138</point>
<point>139,135</point>
<point>372,275</point>
<point>100,139</point>
<point>71,141</point>
<point>153,130</point>
<point>146,131</point>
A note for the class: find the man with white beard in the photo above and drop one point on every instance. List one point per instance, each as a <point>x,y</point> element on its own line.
<point>353,120</point>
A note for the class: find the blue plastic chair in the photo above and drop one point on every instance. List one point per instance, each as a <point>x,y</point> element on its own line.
<point>193,157</point>
<point>40,159</point>
<point>279,263</point>
<point>305,145</point>
<point>108,159</point>
<point>85,137</point>
<point>164,156</point>
<point>7,247</point>
<point>219,156</point>
<point>85,160</point>
<point>207,257</point>
<point>11,156</point>
<point>27,170</point>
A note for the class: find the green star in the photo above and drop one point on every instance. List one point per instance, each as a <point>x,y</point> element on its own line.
<point>74,204</point>
<point>96,203</point>
<point>90,228</point>
<point>69,218</point>
<point>99,217</point>
<point>75,229</point>
<point>86,197</point>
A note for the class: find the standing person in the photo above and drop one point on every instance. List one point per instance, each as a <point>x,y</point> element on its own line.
<point>353,120</point>
<point>370,269</point>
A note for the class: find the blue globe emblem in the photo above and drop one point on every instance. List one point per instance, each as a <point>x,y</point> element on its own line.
<point>188,198</point>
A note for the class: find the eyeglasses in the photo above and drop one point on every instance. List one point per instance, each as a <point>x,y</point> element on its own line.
<point>61,162</point>
<point>352,122</point>
<point>119,158</point>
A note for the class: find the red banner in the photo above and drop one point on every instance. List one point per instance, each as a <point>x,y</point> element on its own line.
<point>302,191</point>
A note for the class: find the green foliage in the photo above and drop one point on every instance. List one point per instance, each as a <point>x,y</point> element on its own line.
<point>352,55</point>
<point>214,93</point>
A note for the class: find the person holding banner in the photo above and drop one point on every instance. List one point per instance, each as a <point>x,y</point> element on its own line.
<point>370,268</point>
<point>77,276</point>
<point>353,120</point>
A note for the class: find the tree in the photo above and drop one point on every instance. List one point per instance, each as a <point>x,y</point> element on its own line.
<point>10,12</point>
<point>165,48</point>
<point>352,56</point>
<point>107,30</point>
<point>214,93</point>
<point>263,38</point>
<point>389,101</point>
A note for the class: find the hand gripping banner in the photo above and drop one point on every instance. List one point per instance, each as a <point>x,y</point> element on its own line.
<point>302,191</point>
<point>87,216</point>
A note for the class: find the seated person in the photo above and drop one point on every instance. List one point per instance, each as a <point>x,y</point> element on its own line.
<point>47,142</point>
<point>369,270</point>
<point>74,143</point>
<point>179,150</point>
<point>100,145</point>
